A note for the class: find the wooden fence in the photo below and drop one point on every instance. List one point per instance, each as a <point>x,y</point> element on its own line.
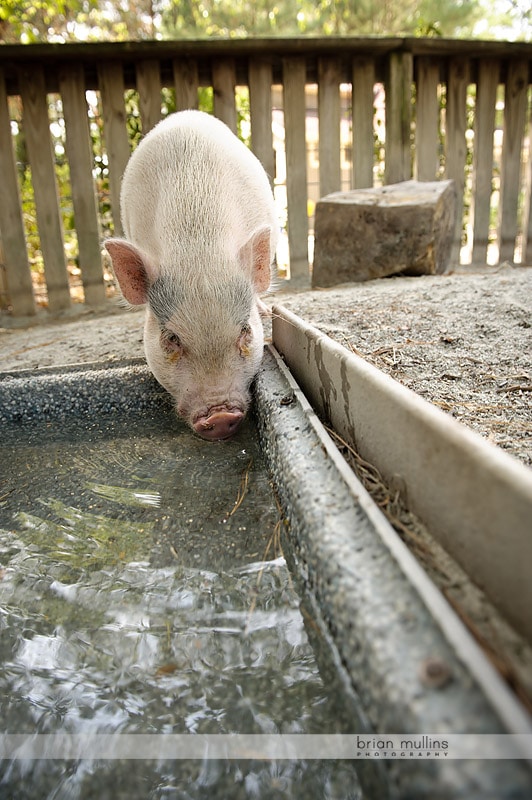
<point>423,108</point>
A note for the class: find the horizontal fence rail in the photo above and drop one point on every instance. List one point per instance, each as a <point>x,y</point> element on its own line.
<point>321,114</point>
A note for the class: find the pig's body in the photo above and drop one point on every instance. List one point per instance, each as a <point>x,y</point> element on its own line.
<point>201,228</point>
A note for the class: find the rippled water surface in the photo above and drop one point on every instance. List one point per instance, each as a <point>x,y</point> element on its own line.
<point>143,590</point>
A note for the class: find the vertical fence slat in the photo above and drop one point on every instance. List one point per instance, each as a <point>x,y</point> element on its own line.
<point>260,105</point>
<point>37,132</point>
<point>455,140</point>
<point>18,273</point>
<point>515,105</point>
<point>223,84</point>
<point>111,83</point>
<point>399,80</point>
<point>186,83</point>
<point>487,82</point>
<point>329,78</point>
<point>79,154</point>
<point>363,114</point>
<point>527,215</point>
<point>427,119</point>
<point>149,89</point>
<point>294,79</point>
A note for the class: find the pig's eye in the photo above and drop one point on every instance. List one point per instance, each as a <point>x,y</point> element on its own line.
<point>170,341</point>
<point>244,340</point>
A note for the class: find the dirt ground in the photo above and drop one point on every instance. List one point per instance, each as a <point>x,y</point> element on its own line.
<point>462,341</point>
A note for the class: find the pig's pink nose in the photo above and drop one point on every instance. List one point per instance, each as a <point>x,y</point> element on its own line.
<point>218,424</point>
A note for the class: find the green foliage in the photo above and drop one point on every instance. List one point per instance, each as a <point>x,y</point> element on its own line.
<point>233,18</point>
<point>505,19</point>
<point>186,18</point>
<point>30,22</point>
<point>78,20</point>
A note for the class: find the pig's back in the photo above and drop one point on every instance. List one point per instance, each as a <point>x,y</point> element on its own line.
<point>192,178</point>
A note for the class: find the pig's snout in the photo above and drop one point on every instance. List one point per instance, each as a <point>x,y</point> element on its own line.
<point>218,423</point>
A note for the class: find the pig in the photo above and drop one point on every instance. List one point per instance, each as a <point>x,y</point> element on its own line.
<point>201,230</point>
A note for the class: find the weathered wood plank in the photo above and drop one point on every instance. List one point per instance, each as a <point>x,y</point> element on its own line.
<point>329,78</point>
<point>399,81</point>
<point>111,82</point>
<point>427,119</point>
<point>18,272</point>
<point>527,209</point>
<point>273,49</point>
<point>363,115</point>
<point>294,78</point>
<point>149,89</point>
<point>79,154</point>
<point>515,105</point>
<point>223,84</point>
<point>186,83</point>
<point>260,102</point>
<point>455,140</point>
<point>487,83</point>
<point>36,126</point>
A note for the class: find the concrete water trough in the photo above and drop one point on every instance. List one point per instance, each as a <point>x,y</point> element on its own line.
<point>394,655</point>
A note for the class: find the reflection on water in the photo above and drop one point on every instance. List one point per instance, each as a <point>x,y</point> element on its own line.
<point>142,590</point>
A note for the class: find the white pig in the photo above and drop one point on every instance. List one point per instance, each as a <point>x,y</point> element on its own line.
<point>201,231</point>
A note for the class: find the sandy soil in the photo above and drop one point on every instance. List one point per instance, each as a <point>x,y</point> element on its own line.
<point>462,341</point>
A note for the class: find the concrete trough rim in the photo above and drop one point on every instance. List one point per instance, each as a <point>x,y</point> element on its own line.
<point>302,456</point>
<point>475,498</point>
<point>93,387</point>
<point>511,712</point>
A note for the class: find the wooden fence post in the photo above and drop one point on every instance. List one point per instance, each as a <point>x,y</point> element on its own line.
<point>455,141</point>
<point>149,89</point>
<point>186,83</point>
<point>329,78</point>
<point>37,132</point>
<point>80,160</point>
<point>223,83</point>
<point>294,82</point>
<point>427,120</point>
<point>487,83</point>
<point>515,105</point>
<point>260,103</point>
<point>527,211</point>
<point>18,273</point>
<point>400,76</point>
<point>111,83</point>
<point>363,116</point>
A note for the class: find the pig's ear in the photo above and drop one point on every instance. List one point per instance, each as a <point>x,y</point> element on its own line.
<point>132,268</point>
<point>255,256</point>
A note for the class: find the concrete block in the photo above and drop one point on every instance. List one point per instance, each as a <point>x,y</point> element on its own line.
<point>371,233</point>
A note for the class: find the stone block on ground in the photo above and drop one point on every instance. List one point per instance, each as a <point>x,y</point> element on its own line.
<point>405,227</point>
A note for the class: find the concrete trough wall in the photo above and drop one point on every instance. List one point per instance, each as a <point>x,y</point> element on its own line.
<point>386,620</point>
<point>475,499</point>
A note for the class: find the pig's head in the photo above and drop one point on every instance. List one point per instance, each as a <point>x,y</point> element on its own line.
<point>203,334</point>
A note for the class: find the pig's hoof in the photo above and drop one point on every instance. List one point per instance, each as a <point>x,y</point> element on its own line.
<point>218,424</point>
